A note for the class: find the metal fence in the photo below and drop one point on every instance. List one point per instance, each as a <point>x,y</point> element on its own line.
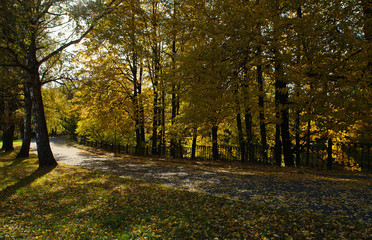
<point>356,156</point>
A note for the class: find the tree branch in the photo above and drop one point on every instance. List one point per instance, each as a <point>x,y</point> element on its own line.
<point>92,26</point>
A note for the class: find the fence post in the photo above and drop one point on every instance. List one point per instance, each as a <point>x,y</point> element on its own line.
<point>329,152</point>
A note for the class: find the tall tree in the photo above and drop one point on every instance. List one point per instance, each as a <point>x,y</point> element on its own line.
<point>27,37</point>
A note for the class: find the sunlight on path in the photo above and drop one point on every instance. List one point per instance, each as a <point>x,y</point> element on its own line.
<point>289,190</point>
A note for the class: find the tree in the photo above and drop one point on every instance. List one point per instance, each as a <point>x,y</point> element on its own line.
<point>188,68</point>
<point>26,31</point>
<point>10,102</point>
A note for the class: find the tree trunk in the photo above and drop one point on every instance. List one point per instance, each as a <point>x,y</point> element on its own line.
<point>154,149</point>
<point>278,146</point>
<point>281,100</point>
<point>138,108</point>
<point>141,111</point>
<point>8,131</point>
<point>44,152</point>
<point>26,138</point>
<point>278,142</point>
<point>155,123</point>
<point>261,103</point>
<point>367,11</point>
<point>241,138</point>
<point>215,154</point>
<point>298,111</point>
<point>286,139</point>
<point>163,144</point>
<point>308,142</point>
<point>193,146</point>
<point>173,142</point>
<point>329,153</point>
<point>8,137</point>
<point>281,90</point>
<point>175,112</point>
<point>249,132</point>
<point>156,140</point>
<point>298,157</point>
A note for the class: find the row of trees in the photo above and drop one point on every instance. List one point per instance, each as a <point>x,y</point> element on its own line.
<point>262,72</point>
<point>274,73</point>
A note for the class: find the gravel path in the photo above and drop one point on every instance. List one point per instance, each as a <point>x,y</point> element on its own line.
<point>348,197</point>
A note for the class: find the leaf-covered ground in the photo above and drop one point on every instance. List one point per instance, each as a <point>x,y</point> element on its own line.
<point>74,203</point>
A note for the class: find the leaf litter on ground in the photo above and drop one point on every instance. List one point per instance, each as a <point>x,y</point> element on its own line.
<point>71,202</point>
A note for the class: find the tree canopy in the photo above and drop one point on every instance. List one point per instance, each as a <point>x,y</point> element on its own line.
<point>167,73</point>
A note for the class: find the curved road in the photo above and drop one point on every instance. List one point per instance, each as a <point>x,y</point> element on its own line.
<point>348,196</point>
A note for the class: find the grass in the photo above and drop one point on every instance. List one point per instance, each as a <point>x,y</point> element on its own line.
<point>73,203</point>
<point>16,143</point>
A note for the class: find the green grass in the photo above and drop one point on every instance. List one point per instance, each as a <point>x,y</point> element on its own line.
<point>73,203</point>
<point>16,143</point>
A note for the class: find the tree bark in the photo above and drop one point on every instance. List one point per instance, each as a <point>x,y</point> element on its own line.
<point>261,104</point>
<point>329,153</point>
<point>278,146</point>
<point>367,12</point>
<point>141,111</point>
<point>175,104</point>
<point>281,97</point>
<point>281,90</point>
<point>193,146</point>
<point>156,140</point>
<point>46,158</point>
<point>162,122</point>
<point>241,137</point>
<point>298,111</point>
<point>308,141</point>
<point>297,126</point>
<point>155,125</point>
<point>278,142</point>
<point>156,113</point>
<point>249,132</point>
<point>8,137</point>
<point>45,154</point>
<point>26,138</point>
<point>138,108</point>
<point>286,139</point>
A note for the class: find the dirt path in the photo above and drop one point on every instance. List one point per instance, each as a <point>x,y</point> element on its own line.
<point>349,197</point>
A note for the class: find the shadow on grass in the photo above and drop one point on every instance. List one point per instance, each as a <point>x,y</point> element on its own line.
<point>4,155</point>
<point>14,163</point>
<point>10,190</point>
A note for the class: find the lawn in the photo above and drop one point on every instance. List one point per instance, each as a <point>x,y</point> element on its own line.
<point>74,203</point>
<point>16,143</point>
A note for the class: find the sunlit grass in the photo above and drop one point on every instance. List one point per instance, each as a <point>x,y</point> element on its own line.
<point>73,203</point>
<point>16,143</point>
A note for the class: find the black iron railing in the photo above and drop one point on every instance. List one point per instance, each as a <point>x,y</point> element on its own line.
<point>320,155</point>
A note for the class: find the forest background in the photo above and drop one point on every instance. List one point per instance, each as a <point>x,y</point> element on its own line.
<point>276,76</point>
